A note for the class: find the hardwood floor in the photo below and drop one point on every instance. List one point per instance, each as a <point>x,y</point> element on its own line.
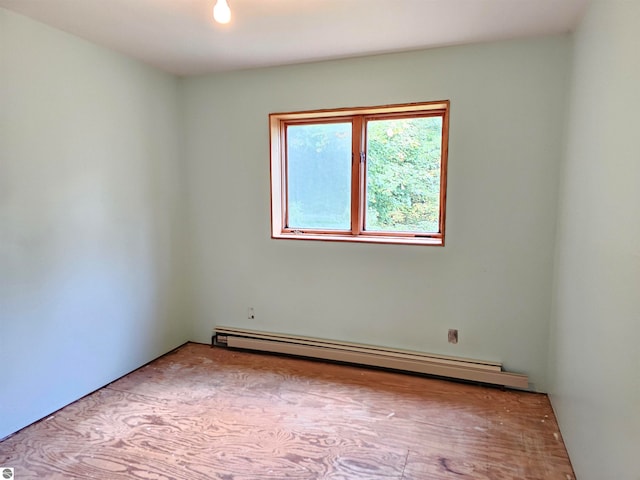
<point>210,413</point>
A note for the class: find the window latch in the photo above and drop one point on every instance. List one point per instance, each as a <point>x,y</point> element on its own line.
<point>362,157</point>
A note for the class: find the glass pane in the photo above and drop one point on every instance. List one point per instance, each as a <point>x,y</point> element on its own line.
<point>403,175</point>
<point>319,176</point>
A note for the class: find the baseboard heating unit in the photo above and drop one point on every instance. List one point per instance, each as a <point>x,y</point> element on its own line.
<point>367,355</point>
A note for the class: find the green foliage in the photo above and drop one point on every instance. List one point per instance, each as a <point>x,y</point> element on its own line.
<point>402,177</point>
<point>403,174</point>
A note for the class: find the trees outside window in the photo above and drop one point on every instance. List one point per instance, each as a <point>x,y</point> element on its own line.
<point>374,174</point>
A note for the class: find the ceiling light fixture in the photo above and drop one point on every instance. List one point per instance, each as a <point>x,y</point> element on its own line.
<point>222,12</point>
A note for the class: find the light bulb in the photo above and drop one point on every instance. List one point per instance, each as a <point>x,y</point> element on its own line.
<point>222,12</point>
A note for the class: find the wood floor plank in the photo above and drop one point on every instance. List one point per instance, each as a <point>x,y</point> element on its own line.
<point>211,413</point>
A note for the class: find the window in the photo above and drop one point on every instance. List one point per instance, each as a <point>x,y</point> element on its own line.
<point>372,174</point>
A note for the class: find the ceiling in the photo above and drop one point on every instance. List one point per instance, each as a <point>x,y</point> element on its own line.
<point>180,36</point>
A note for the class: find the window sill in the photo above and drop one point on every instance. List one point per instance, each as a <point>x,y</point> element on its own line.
<point>377,239</point>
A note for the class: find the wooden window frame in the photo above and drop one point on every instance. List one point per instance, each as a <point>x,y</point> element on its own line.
<point>278,123</point>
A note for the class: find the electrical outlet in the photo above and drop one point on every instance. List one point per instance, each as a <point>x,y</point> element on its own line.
<point>453,335</point>
<point>251,315</point>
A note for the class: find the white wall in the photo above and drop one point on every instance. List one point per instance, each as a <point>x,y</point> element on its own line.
<point>492,280</point>
<point>89,201</point>
<point>595,361</point>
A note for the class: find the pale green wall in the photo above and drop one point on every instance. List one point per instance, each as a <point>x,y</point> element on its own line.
<point>492,281</point>
<point>595,342</point>
<point>89,201</point>
<point>92,226</point>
